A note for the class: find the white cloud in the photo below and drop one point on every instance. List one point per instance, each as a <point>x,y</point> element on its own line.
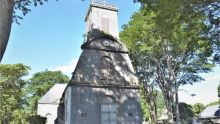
<point>206,91</point>
<point>68,68</point>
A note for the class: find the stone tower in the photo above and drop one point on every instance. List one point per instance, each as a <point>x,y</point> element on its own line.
<point>104,17</point>
<point>103,88</point>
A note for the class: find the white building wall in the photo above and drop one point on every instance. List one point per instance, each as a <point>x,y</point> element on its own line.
<point>49,111</point>
<point>68,106</point>
<point>94,20</point>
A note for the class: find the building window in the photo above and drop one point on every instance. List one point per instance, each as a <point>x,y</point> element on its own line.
<point>130,114</point>
<point>109,110</point>
<point>83,115</point>
<point>109,113</point>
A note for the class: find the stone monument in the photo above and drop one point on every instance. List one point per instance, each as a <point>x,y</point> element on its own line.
<point>103,88</point>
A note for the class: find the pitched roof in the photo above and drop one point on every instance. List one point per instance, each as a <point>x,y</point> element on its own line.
<point>53,95</point>
<point>210,111</point>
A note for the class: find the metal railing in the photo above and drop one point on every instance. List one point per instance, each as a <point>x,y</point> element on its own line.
<point>103,4</point>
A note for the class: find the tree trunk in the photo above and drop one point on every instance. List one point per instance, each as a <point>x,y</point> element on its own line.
<point>151,100</point>
<point>168,98</point>
<point>153,109</point>
<point>170,112</point>
<point>177,108</point>
<point>6,13</point>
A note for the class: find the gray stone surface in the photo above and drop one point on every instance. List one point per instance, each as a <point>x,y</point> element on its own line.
<point>88,100</point>
<point>103,75</point>
<point>99,11</point>
<point>103,88</point>
<point>90,65</point>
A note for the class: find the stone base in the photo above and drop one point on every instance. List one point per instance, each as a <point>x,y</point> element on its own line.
<point>102,105</point>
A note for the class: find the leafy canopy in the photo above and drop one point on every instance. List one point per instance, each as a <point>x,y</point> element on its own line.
<point>168,46</point>
<point>19,97</point>
<point>23,7</point>
<point>207,9</point>
<point>219,90</point>
<point>186,112</point>
<point>12,96</point>
<point>40,83</point>
<point>198,108</point>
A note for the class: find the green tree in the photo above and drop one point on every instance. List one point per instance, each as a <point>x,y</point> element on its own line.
<point>146,107</point>
<point>139,59</point>
<point>37,119</point>
<point>198,108</point>
<point>186,113</point>
<point>167,48</point>
<point>213,103</point>
<point>209,9</point>
<point>40,83</point>
<point>19,117</point>
<point>219,90</point>
<point>12,96</point>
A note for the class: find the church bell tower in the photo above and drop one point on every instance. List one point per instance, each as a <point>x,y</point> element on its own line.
<point>104,17</point>
<point>103,88</point>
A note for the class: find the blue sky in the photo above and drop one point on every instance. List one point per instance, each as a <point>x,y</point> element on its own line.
<point>50,36</point>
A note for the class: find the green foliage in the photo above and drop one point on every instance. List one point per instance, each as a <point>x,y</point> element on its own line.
<point>23,7</point>
<point>19,116</point>
<point>207,9</point>
<point>213,103</point>
<point>159,105</point>
<point>219,90</point>
<point>145,109</point>
<point>158,43</point>
<point>130,36</point>
<point>168,46</point>
<point>37,119</point>
<point>198,108</point>
<point>12,94</point>
<point>18,97</point>
<point>186,113</point>
<point>40,83</point>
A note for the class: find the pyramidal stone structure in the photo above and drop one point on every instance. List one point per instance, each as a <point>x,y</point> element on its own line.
<point>103,88</point>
